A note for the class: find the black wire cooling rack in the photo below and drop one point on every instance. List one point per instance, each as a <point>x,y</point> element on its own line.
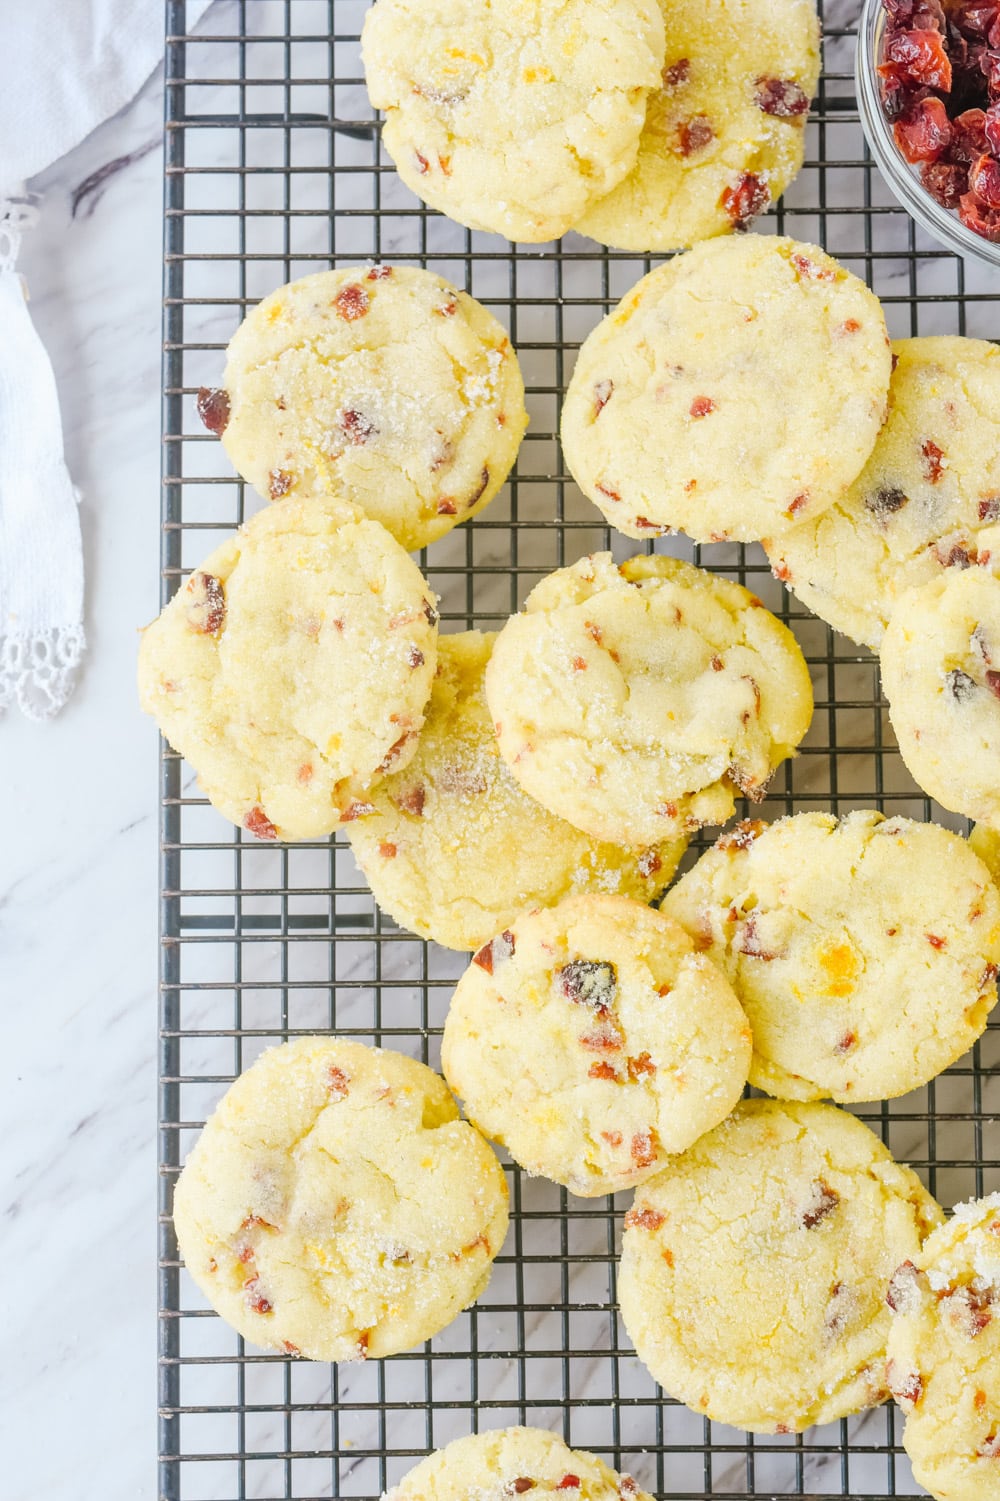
<point>273,169</point>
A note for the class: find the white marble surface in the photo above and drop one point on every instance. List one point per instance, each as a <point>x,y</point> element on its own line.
<point>78,868</point>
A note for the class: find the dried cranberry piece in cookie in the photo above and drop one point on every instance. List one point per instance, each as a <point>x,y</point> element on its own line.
<point>213,409</point>
<point>781,97</point>
<point>885,501</point>
<point>694,135</point>
<point>824,1201</point>
<point>497,951</point>
<point>589,982</point>
<point>748,197</point>
<point>206,610</point>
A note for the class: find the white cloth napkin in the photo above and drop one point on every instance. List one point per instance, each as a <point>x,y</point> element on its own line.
<point>65,66</point>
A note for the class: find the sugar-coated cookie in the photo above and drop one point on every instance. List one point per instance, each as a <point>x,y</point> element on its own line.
<point>336,1207</point>
<point>941,675</point>
<point>454,849</point>
<point>754,1269</point>
<point>735,390</point>
<point>986,843</point>
<point>864,950</point>
<point>638,702</point>
<point>592,1041</point>
<point>725,132</point>
<point>944,1355</point>
<point>513,115</point>
<point>292,668</point>
<point>507,1462</point>
<point>928,498</point>
<point>382,384</point>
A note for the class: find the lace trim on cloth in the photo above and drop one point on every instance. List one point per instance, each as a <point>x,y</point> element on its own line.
<point>37,670</point>
<point>17,213</point>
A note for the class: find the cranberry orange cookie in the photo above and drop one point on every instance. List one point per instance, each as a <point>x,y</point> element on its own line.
<point>754,1269</point>
<point>928,498</point>
<point>513,115</point>
<point>941,675</point>
<point>454,849</point>
<point>381,384</point>
<point>508,1462</point>
<point>944,1355</point>
<point>986,843</point>
<point>725,133</point>
<point>336,1207</point>
<point>640,701</point>
<point>292,669</point>
<point>592,1041</point>
<point>864,950</point>
<point>737,389</point>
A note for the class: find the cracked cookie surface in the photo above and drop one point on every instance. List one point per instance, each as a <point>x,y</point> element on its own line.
<point>928,498</point>
<point>638,701</point>
<point>944,1354</point>
<point>292,668</point>
<point>512,116</point>
<point>455,849</point>
<point>864,950</point>
<point>593,1042</point>
<point>505,1462</point>
<point>754,1269</point>
<point>380,384</point>
<point>736,390</point>
<point>940,665</point>
<point>724,132</point>
<point>336,1207</point>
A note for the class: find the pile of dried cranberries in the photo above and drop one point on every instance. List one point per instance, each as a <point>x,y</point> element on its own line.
<point>940,74</point>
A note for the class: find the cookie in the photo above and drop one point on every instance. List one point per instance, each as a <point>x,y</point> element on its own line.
<point>944,1354</point>
<point>638,702</point>
<point>292,668</point>
<point>512,116</point>
<point>336,1207</point>
<point>737,389</point>
<point>725,132</point>
<point>506,1462</point>
<point>454,849</point>
<point>754,1269</point>
<point>864,950</point>
<point>593,1042</point>
<point>928,498</point>
<point>941,675</point>
<point>380,384</point>
<point>986,843</point>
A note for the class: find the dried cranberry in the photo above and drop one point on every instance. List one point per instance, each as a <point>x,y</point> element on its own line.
<point>750,942</point>
<point>356,427</point>
<point>589,982</point>
<point>694,135</point>
<point>749,197</point>
<point>602,395</point>
<point>352,302</point>
<point>648,863</point>
<point>206,608</point>
<point>960,685</point>
<point>984,181</point>
<point>945,181</point>
<point>993,683</point>
<point>924,131</point>
<point>978,217</point>
<point>969,1309</point>
<point>932,456</point>
<point>495,952</point>
<point>678,72</point>
<point>522,1484</point>
<point>991,128</point>
<point>906,1386</point>
<point>702,406</point>
<point>742,836</point>
<point>569,1483</point>
<point>257,822</point>
<point>917,56</point>
<point>279,482</point>
<point>644,1148</point>
<point>781,97</point>
<point>213,409</point>
<point>824,1201</point>
<point>973,21</point>
<point>412,801</point>
<point>968,136</point>
<point>903,1294</point>
<point>644,1219</point>
<point>637,1067</point>
<point>886,501</point>
<point>336,1082</point>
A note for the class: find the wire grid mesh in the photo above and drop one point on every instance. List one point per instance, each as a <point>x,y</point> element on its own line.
<point>273,169</point>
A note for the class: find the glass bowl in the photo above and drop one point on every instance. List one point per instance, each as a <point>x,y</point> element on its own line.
<point>903,178</point>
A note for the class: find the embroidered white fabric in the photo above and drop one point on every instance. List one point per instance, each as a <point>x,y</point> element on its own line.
<point>41,559</point>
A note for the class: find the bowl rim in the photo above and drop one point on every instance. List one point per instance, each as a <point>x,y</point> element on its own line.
<point>941,223</point>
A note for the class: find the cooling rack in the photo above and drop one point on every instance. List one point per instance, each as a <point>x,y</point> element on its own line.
<point>273,169</point>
